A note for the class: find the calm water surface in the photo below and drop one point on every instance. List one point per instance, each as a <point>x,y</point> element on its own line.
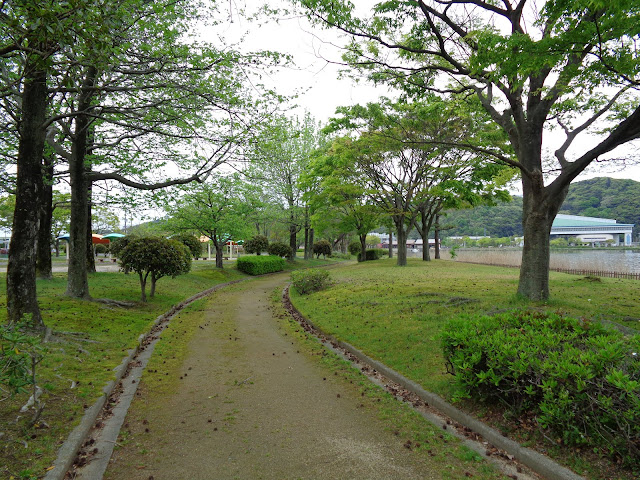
<point>625,261</point>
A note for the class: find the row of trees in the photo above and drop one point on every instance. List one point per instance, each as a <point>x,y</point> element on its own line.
<point>530,67</point>
<point>97,92</point>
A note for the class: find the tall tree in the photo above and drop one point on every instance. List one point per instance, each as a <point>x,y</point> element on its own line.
<point>278,157</point>
<point>214,209</point>
<point>31,34</point>
<point>573,65</point>
<point>341,193</point>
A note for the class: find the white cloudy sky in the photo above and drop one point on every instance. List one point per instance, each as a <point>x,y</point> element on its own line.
<point>317,82</point>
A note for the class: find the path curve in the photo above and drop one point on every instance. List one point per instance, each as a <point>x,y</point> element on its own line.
<point>250,405</point>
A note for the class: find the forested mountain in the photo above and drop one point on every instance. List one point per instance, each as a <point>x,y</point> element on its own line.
<point>598,197</point>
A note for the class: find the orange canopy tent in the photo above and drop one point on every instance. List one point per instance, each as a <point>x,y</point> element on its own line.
<point>95,238</point>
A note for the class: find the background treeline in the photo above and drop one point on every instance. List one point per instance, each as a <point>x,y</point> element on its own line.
<point>598,197</point>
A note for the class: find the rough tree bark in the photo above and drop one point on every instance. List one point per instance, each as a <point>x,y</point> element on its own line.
<point>43,255</point>
<point>21,269</point>
<point>77,279</point>
<point>363,247</point>
<point>436,238</point>
<point>538,212</point>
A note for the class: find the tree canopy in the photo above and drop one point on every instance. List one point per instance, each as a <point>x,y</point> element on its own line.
<point>572,66</point>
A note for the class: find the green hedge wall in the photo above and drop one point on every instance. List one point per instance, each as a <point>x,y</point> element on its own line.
<point>260,264</point>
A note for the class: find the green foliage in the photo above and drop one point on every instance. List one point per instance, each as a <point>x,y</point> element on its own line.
<point>155,257</point>
<point>354,247</point>
<point>260,265</point>
<point>375,253</point>
<point>191,242</point>
<point>20,352</point>
<point>100,248</point>
<point>279,249</point>
<point>580,379</point>
<point>309,281</point>
<point>257,244</point>
<point>322,247</point>
<point>118,244</point>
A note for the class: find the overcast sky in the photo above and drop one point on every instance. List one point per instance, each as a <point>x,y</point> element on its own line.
<point>320,88</point>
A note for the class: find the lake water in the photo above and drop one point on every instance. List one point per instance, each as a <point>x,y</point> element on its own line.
<point>622,261</point>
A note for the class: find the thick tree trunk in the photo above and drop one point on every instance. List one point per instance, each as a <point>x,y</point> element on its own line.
<point>436,238</point>
<point>363,247</point>
<point>539,211</point>
<point>21,269</point>
<point>77,279</point>
<point>219,253</point>
<point>91,258</point>
<point>307,227</point>
<point>311,239</point>
<point>390,242</point>
<point>402,242</point>
<point>43,260</point>
<point>293,233</point>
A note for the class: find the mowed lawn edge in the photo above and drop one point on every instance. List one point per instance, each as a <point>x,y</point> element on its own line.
<point>396,314</point>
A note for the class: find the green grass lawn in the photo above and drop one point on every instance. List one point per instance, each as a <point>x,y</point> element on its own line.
<point>396,314</point>
<point>94,339</point>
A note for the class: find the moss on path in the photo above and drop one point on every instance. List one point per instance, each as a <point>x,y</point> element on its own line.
<point>231,394</point>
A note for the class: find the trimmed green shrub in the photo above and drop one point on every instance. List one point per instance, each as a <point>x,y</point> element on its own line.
<point>191,242</point>
<point>154,258</point>
<point>118,244</point>
<point>279,249</point>
<point>375,253</point>
<point>260,265</point>
<point>354,247</point>
<point>322,247</point>
<point>580,379</point>
<point>257,244</point>
<point>309,281</point>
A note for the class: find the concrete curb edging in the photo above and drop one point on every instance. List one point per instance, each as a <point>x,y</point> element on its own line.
<point>74,442</point>
<point>537,462</point>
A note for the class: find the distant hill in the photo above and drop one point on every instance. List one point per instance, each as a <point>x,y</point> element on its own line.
<point>598,197</point>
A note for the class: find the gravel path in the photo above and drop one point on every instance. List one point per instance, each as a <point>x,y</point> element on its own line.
<point>251,406</point>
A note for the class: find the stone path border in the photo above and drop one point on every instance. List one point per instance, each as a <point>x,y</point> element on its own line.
<point>107,413</point>
<point>114,411</point>
<point>394,382</point>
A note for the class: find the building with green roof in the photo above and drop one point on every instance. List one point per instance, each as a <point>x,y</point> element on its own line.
<point>592,229</point>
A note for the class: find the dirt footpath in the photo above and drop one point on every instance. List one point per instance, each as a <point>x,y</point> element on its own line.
<point>251,406</point>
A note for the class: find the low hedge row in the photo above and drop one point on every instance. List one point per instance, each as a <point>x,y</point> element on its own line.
<point>260,264</point>
<point>580,379</point>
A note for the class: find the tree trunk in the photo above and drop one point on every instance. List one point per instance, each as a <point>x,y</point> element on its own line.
<point>539,211</point>
<point>390,242</point>
<point>293,233</point>
<point>91,257</point>
<point>363,247</point>
<point>402,242</point>
<point>143,287</point>
<point>311,235</point>
<point>307,227</point>
<point>43,255</point>
<point>219,253</point>
<point>77,279</point>
<point>21,269</point>
<point>436,238</point>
